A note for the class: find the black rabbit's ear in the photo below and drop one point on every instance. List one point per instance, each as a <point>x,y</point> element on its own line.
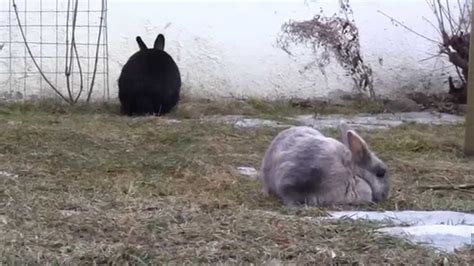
<point>160,42</point>
<point>141,44</point>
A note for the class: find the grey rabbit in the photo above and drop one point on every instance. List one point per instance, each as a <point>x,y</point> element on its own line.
<point>302,166</point>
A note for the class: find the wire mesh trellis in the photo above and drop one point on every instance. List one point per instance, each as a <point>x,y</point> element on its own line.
<point>54,47</point>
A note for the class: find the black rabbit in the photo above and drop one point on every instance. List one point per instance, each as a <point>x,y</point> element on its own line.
<point>150,81</point>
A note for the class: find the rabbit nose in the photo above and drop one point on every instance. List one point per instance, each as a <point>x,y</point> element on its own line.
<point>378,197</point>
<point>375,198</point>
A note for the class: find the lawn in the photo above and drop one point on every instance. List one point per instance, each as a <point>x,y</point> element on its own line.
<point>83,185</point>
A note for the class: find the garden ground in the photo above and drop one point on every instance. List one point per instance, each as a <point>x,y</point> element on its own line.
<point>86,185</point>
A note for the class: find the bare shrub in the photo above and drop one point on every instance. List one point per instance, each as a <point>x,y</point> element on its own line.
<point>453,23</point>
<point>336,35</point>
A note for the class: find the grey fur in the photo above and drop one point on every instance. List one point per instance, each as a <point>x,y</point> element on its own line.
<point>302,166</point>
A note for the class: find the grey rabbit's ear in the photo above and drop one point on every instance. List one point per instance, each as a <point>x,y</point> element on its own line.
<point>141,44</point>
<point>358,147</point>
<point>160,42</point>
<point>344,128</point>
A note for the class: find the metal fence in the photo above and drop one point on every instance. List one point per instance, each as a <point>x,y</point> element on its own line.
<point>54,47</point>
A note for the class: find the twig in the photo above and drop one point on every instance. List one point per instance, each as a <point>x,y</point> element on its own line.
<point>408,28</point>
<point>429,58</point>
<point>452,23</point>
<point>461,77</point>
<point>439,11</point>
<point>449,181</point>
<point>464,11</point>
<point>448,187</point>
<point>433,25</point>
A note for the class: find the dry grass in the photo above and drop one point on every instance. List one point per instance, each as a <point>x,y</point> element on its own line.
<point>192,108</point>
<point>90,186</point>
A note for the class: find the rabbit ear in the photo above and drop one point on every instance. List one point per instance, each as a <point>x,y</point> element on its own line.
<point>344,128</point>
<point>141,44</point>
<point>359,149</point>
<point>160,42</point>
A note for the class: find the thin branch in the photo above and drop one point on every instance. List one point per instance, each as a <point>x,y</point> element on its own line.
<point>428,58</point>
<point>439,12</point>
<point>461,77</point>
<point>433,25</point>
<point>462,187</point>
<point>446,10</point>
<point>441,187</point>
<point>448,14</point>
<point>464,15</point>
<point>407,28</point>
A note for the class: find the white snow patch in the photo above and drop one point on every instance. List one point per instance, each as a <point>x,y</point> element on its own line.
<point>255,123</point>
<point>248,171</point>
<point>243,122</point>
<point>441,236</point>
<point>379,121</point>
<point>443,230</point>
<point>358,122</point>
<point>411,217</point>
<point>8,175</point>
<point>69,213</point>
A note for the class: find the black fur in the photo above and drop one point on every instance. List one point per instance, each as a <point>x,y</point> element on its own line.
<point>150,81</point>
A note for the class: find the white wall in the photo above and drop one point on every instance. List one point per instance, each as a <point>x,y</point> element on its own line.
<point>228,48</point>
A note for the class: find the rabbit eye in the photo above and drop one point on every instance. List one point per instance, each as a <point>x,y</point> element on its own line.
<point>380,173</point>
